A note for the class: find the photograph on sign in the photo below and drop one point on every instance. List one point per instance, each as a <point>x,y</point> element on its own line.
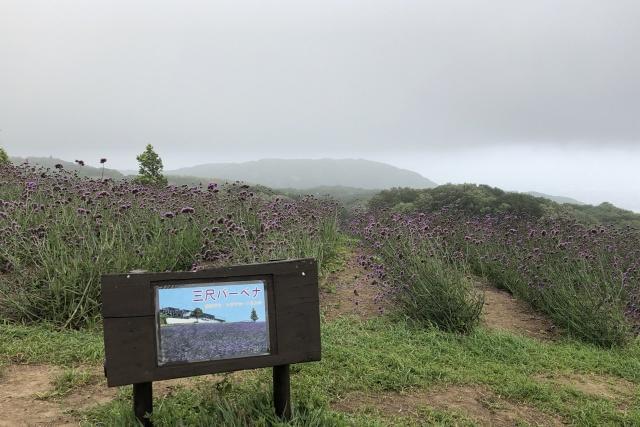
<point>211,321</point>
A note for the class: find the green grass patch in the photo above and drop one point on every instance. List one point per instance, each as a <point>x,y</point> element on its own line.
<point>205,404</point>
<point>67,381</point>
<point>374,356</point>
<point>381,356</point>
<point>48,344</point>
<point>251,404</point>
<point>343,250</point>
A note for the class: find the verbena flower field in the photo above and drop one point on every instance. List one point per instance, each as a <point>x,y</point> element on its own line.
<point>586,278</point>
<point>59,233</point>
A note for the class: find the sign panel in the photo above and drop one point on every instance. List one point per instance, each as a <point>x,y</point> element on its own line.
<point>211,321</point>
<point>169,325</point>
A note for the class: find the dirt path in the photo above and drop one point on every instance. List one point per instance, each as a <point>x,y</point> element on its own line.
<point>26,400</point>
<point>617,390</point>
<point>502,311</point>
<point>474,403</point>
<point>483,407</point>
<point>22,402</point>
<point>350,291</point>
<point>18,404</point>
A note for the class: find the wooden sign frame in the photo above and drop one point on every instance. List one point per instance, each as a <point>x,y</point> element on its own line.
<point>129,310</point>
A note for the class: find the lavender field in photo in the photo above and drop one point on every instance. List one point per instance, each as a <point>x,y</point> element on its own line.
<point>211,341</point>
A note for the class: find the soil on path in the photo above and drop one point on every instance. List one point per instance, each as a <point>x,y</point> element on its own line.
<point>350,291</point>
<point>502,311</point>
<point>483,407</point>
<point>474,403</point>
<point>24,390</point>
<point>617,390</point>
<point>19,406</point>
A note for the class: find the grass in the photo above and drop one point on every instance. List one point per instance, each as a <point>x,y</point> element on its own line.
<point>49,344</point>
<point>67,381</point>
<point>344,248</point>
<point>376,356</point>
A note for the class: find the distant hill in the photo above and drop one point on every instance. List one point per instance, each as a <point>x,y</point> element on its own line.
<point>308,173</point>
<point>51,162</point>
<point>557,199</point>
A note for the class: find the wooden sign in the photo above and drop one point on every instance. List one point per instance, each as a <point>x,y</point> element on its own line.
<point>159,326</point>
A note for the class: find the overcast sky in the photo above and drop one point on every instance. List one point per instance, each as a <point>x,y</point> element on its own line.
<point>527,95</point>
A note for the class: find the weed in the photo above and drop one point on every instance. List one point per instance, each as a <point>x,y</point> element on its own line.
<point>67,381</point>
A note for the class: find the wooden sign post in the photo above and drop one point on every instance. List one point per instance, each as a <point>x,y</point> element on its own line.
<point>159,326</point>
<point>281,391</point>
<point>143,402</point>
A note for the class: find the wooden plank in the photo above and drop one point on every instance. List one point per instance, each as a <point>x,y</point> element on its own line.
<point>275,268</point>
<point>143,402</point>
<point>126,295</point>
<point>298,313</point>
<point>129,350</point>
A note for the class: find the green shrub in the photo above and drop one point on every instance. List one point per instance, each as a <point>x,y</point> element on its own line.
<point>432,286</point>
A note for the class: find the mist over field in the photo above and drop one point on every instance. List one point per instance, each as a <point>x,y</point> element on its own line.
<point>537,96</point>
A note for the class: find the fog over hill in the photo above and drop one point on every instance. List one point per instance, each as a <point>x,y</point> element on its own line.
<point>85,170</point>
<point>309,173</point>
<point>349,181</point>
<point>557,199</point>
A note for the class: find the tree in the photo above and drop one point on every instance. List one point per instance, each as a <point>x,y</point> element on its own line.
<point>254,315</point>
<point>150,168</point>
<point>4,158</point>
<point>163,319</point>
<point>197,313</point>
